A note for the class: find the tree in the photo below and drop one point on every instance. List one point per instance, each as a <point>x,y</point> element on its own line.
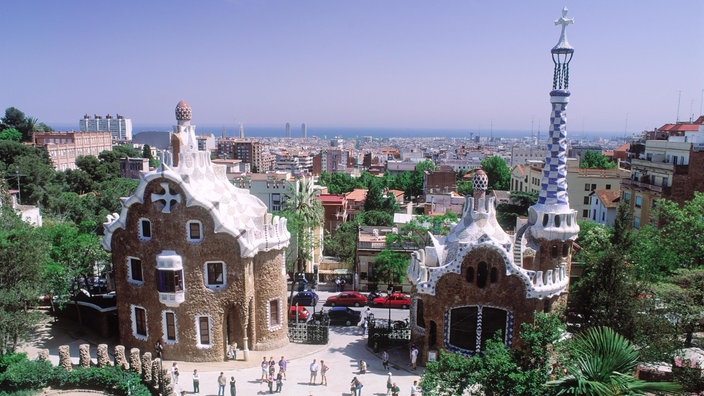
<point>23,252</point>
<point>11,134</point>
<point>391,266</point>
<point>344,243</point>
<point>682,295</point>
<point>302,202</point>
<point>498,173</point>
<point>603,362</point>
<point>682,229</point>
<point>337,183</point>
<point>377,218</point>
<point>374,198</point>
<point>595,160</point>
<point>518,205</point>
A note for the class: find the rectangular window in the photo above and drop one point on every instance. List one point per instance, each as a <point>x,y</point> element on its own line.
<point>274,313</point>
<point>627,197</point>
<point>215,273</point>
<point>608,186</point>
<point>170,326</point>
<point>194,230</point>
<point>593,187</point>
<point>204,330</point>
<point>586,200</point>
<point>585,213</point>
<point>586,187</point>
<point>145,229</point>
<point>170,281</point>
<point>140,321</point>
<point>136,269</point>
<point>639,201</point>
<point>636,222</point>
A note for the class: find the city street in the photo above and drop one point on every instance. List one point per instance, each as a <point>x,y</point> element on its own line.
<point>346,347</point>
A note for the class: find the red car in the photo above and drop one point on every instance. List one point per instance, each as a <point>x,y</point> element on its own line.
<point>394,300</point>
<point>302,312</point>
<point>351,298</point>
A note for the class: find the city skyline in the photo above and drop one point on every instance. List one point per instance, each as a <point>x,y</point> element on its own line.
<point>411,64</point>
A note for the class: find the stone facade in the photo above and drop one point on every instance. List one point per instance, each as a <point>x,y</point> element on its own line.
<point>198,264</point>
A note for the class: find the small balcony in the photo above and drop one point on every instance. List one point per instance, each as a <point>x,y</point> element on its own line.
<point>638,185</point>
<point>172,299</point>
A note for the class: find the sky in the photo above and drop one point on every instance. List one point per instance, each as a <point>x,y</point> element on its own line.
<point>461,64</point>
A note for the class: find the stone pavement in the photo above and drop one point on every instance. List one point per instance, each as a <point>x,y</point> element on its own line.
<point>345,348</point>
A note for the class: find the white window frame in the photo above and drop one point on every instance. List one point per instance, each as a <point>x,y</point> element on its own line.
<point>188,231</point>
<point>210,331</point>
<point>279,325</point>
<point>142,237</point>
<point>165,327</point>
<point>215,286</point>
<point>130,277</point>
<point>133,316</point>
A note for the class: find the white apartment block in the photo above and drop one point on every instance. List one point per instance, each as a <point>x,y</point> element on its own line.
<point>120,127</point>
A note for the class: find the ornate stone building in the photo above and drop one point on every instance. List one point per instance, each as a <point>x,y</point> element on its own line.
<point>478,279</point>
<point>198,263</point>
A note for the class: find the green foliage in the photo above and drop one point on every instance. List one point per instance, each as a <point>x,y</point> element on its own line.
<point>15,118</point>
<point>22,374</point>
<point>374,198</point>
<point>595,160</point>
<point>391,266</point>
<point>500,371</point>
<point>506,213</point>
<point>337,183</point>
<point>683,229</point>
<point>465,188</point>
<point>23,252</point>
<point>304,206</point>
<point>603,362</point>
<point>344,243</point>
<point>377,218</point>
<point>11,134</point>
<point>498,173</point>
<point>415,232</point>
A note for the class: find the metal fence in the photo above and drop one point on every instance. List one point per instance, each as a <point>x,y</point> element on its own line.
<point>383,333</point>
<point>308,333</point>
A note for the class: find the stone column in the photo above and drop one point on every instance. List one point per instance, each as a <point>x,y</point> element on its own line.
<point>135,362</point>
<point>146,366</point>
<point>155,372</point>
<point>43,355</point>
<point>84,355</point>
<point>103,357</point>
<point>120,358</point>
<point>65,357</point>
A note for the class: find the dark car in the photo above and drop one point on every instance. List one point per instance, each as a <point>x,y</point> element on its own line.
<point>350,298</point>
<point>343,316</point>
<point>305,297</point>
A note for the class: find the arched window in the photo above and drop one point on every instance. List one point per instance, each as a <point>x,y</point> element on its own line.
<point>558,218</point>
<point>420,318</point>
<point>433,334</point>
<point>545,220</point>
<point>470,275</point>
<point>553,251</point>
<point>482,274</point>
<point>494,275</point>
<point>565,249</point>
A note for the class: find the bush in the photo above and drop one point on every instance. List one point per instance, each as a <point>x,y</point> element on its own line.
<point>8,359</point>
<point>27,374</point>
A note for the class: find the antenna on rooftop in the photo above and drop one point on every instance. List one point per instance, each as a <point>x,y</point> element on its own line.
<point>625,128</point>
<point>679,99</point>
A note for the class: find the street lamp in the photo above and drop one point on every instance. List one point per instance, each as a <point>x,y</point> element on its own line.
<point>388,302</point>
<point>19,191</point>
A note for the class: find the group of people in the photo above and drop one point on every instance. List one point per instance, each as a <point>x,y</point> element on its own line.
<point>339,284</point>
<point>314,368</point>
<point>270,376</point>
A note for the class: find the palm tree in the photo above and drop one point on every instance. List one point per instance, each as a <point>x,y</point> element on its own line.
<point>302,203</point>
<point>602,363</point>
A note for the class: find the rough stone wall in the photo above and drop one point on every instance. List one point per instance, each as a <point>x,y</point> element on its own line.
<point>223,306</point>
<point>270,284</point>
<point>454,290</point>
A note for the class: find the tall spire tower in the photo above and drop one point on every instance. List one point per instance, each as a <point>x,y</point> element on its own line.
<point>551,217</point>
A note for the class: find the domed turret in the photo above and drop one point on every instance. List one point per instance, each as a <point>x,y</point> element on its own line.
<point>183,111</point>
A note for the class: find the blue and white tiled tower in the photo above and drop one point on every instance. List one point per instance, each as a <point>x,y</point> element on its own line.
<point>551,217</point>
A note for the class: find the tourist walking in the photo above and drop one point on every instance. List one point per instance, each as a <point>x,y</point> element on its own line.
<point>222,381</point>
<point>270,382</point>
<point>232,351</point>
<point>389,385</point>
<point>395,390</point>
<point>174,373</point>
<point>323,373</point>
<point>414,356</point>
<point>313,372</point>
<point>415,391</point>
<point>159,348</point>
<point>196,382</point>
<point>362,367</point>
<point>233,386</point>
<point>282,367</point>
<point>356,387</point>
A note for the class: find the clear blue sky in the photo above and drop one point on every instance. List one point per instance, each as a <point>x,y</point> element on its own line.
<point>392,63</point>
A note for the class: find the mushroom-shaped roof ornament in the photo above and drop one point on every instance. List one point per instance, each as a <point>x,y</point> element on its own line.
<point>183,111</point>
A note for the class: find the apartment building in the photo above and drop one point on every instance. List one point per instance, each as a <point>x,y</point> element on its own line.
<point>64,147</point>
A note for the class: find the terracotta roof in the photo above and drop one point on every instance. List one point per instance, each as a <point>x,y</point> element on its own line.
<point>624,147</point>
<point>358,194</point>
<point>331,198</point>
<point>609,198</point>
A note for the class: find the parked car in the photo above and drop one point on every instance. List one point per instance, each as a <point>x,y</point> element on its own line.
<point>305,297</point>
<point>351,298</point>
<point>394,300</point>
<point>343,316</point>
<point>300,311</point>
<point>372,295</point>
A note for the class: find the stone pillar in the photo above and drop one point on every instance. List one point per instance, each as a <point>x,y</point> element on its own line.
<point>120,358</point>
<point>84,355</point>
<point>135,362</point>
<point>245,321</point>
<point>43,355</point>
<point>103,357</point>
<point>65,357</point>
<point>146,367</point>
<point>167,385</point>
<point>155,372</point>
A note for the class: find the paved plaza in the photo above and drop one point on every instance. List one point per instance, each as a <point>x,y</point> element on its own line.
<point>346,347</point>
